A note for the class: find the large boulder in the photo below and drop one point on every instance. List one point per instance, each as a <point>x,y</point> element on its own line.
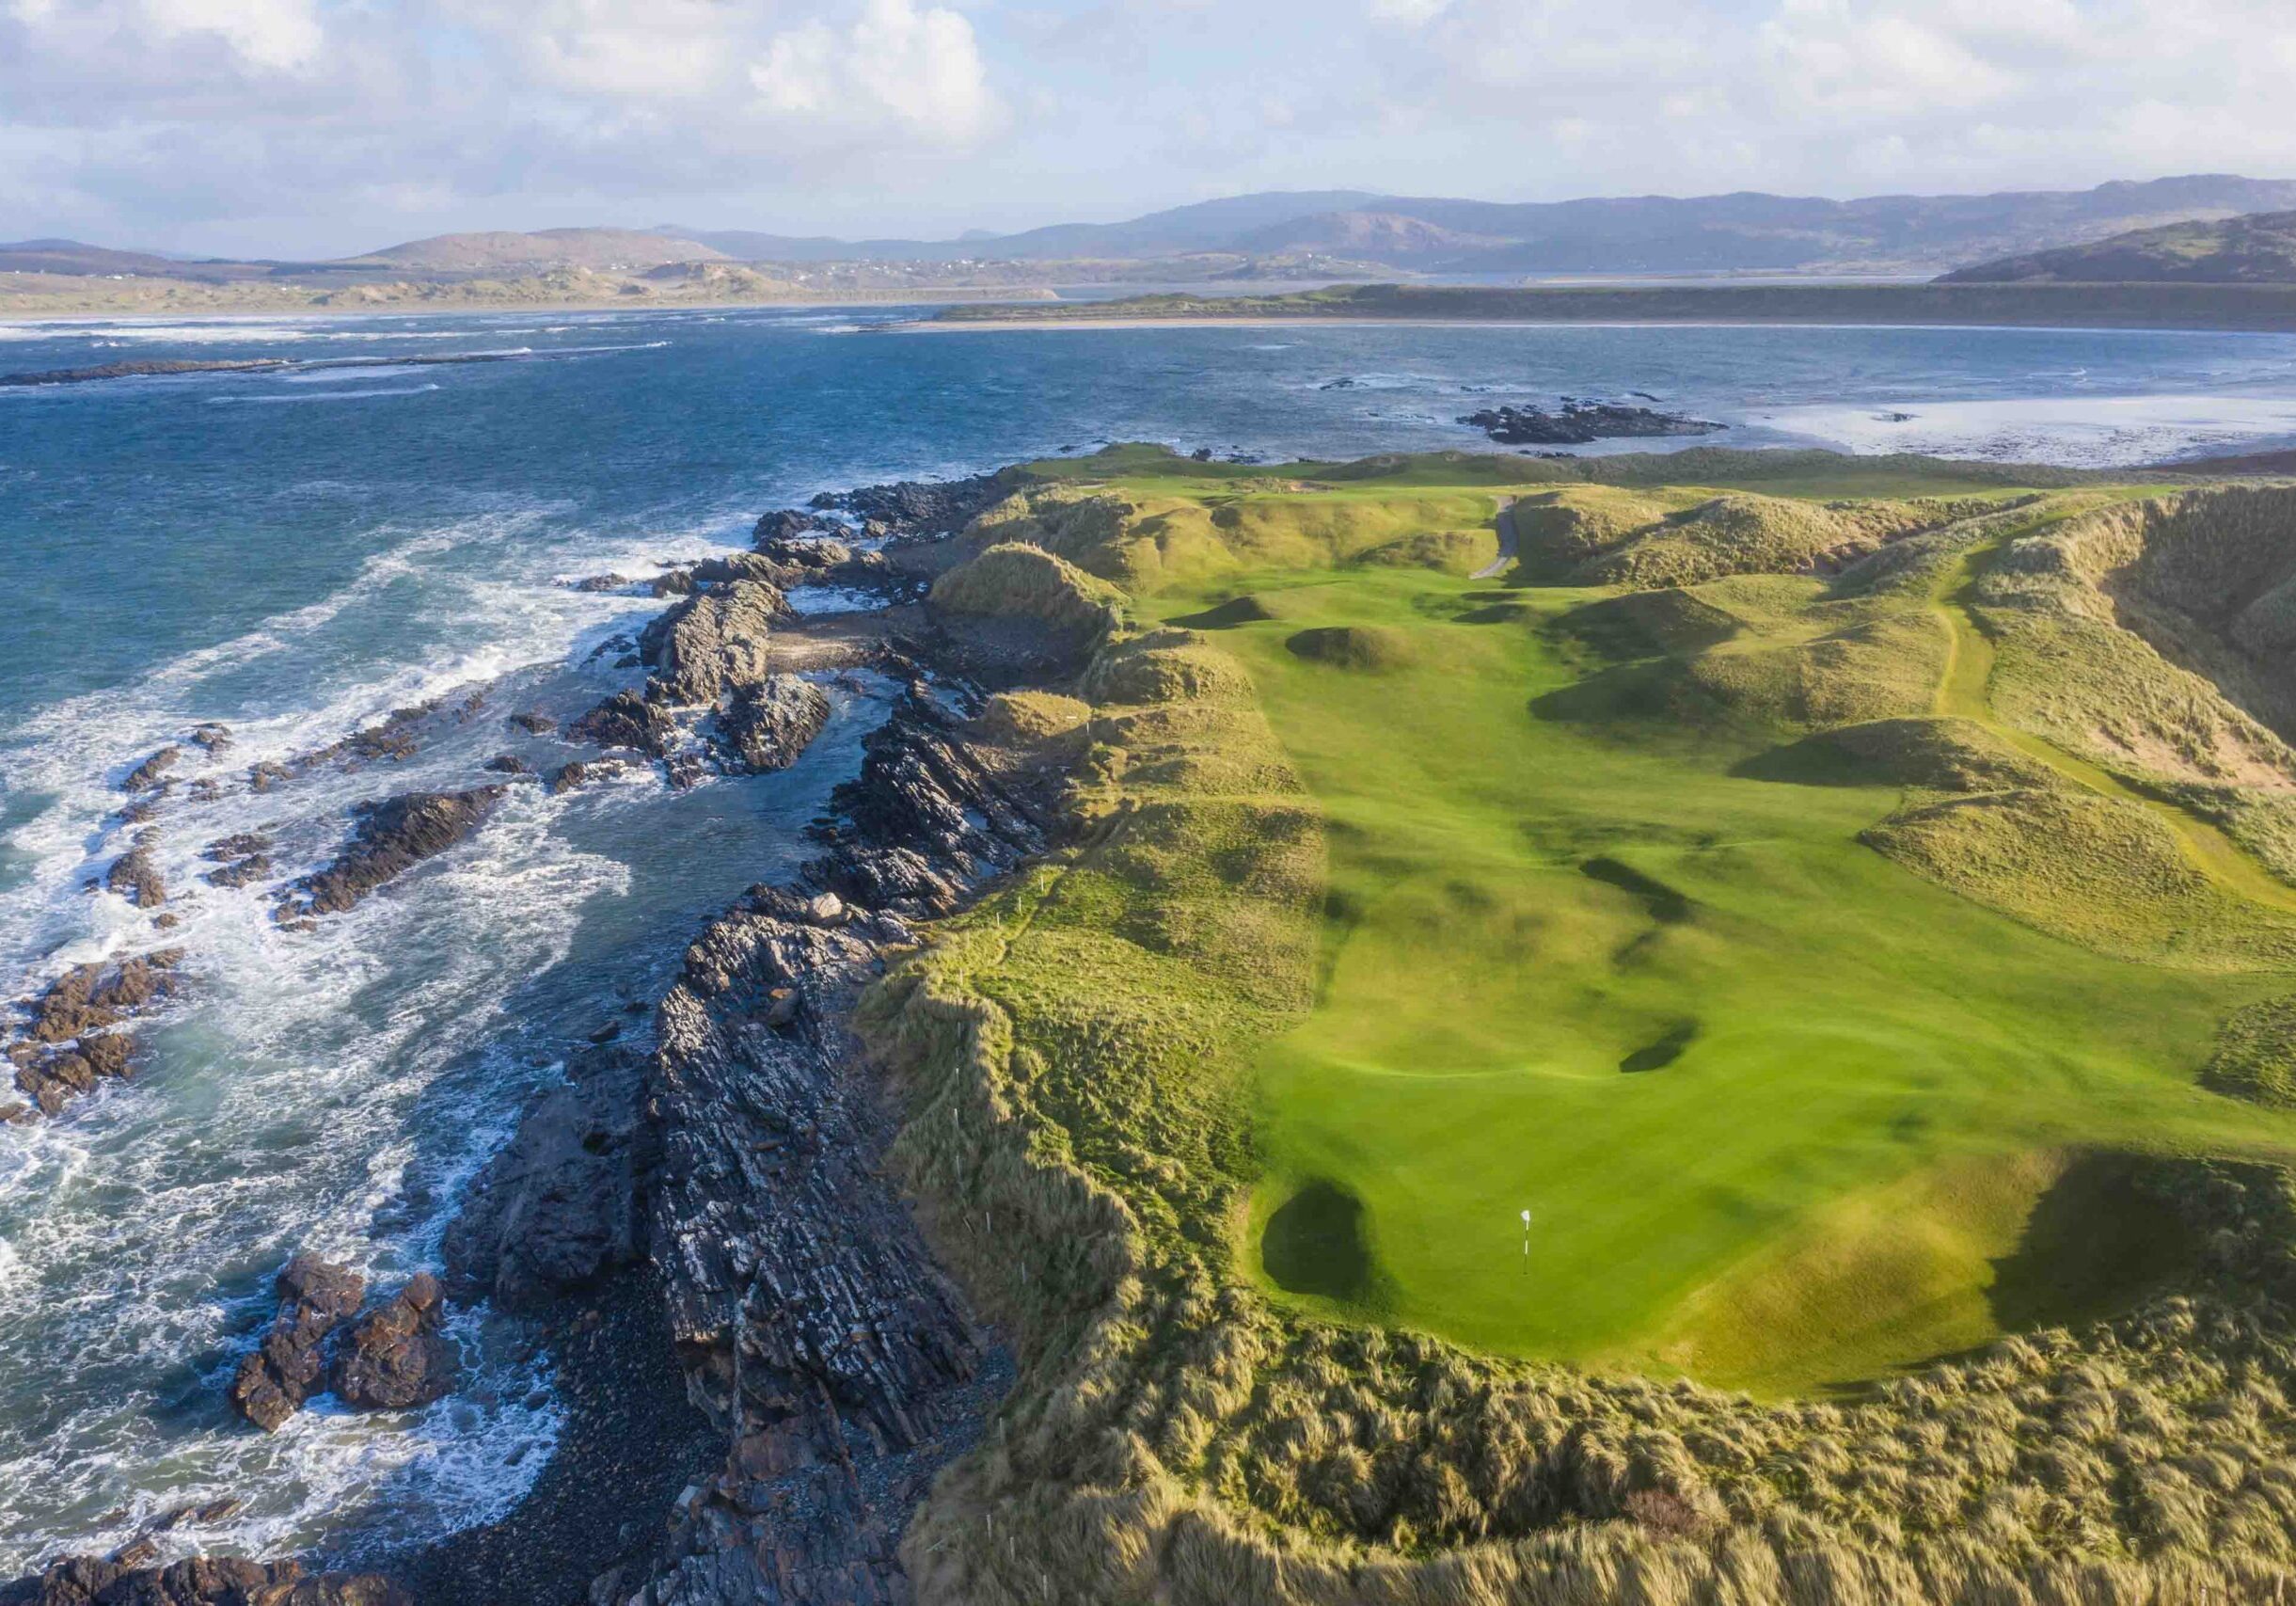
<point>316,1297</point>
<point>149,774</point>
<point>396,1358</point>
<point>789,523</point>
<point>134,875</point>
<point>710,641</point>
<point>768,726</point>
<point>556,1209</point>
<point>627,720</point>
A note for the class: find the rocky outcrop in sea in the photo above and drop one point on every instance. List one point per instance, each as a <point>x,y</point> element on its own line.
<point>1578,423</point>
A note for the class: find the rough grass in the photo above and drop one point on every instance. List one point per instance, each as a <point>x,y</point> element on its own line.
<point>2119,635</point>
<point>2256,1054</point>
<point>1014,581</point>
<point>2099,872</point>
<point>1422,948</point>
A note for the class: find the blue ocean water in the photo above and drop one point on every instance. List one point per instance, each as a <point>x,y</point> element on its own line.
<point>296,553</point>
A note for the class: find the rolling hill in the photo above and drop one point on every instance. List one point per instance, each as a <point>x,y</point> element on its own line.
<point>2256,249</point>
<point>498,251</point>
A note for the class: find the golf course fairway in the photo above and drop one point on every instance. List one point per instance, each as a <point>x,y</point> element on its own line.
<point>1783,1114</point>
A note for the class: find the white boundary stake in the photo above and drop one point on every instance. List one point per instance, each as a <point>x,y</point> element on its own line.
<point>1526,1243</point>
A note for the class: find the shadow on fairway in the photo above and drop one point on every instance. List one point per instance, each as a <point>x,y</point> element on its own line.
<point>2098,1242</point>
<point>1316,1244</point>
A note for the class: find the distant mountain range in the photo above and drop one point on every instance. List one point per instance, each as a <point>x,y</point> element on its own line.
<point>1632,234</point>
<point>1337,230</point>
<point>2256,249</point>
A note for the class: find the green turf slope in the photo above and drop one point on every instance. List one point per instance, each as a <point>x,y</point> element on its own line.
<point>1681,1016</point>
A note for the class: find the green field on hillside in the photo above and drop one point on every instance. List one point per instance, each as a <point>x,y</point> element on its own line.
<point>1605,939</point>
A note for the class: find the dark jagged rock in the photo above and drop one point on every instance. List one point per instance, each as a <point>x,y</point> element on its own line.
<point>737,566</point>
<point>396,736</point>
<point>395,1357</point>
<point>768,726</point>
<point>557,1208</point>
<point>201,1580</point>
<point>213,737</point>
<point>534,724</point>
<point>674,582</point>
<point>919,507</point>
<point>924,817</point>
<point>243,871</point>
<point>69,1046</point>
<point>146,775</point>
<point>811,553</point>
<point>814,1327</point>
<point>577,773</point>
<point>1578,423</point>
<point>710,641</point>
<point>508,764</point>
<point>135,876</point>
<point>392,836</point>
<point>316,1297</point>
<point>798,1289</point>
<point>600,582</point>
<point>789,524</point>
<point>627,720</point>
<point>53,1077</point>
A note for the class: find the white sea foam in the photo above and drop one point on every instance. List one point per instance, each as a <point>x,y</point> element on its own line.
<point>2083,429</point>
<point>287,1108</point>
<point>830,599</point>
<point>330,395</point>
<point>220,330</point>
<point>329,1088</point>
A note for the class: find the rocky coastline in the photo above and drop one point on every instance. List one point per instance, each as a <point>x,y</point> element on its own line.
<point>761,1362</point>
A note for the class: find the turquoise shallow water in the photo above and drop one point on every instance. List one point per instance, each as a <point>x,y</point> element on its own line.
<point>295,554</point>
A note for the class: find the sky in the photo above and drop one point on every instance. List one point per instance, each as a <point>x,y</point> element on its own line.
<point>307,128</point>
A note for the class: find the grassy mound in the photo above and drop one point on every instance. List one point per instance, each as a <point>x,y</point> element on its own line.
<point>1251,608</point>
<point>2099,872</point>
<point>1932,754</point>
<point>1028,719</point>
<point>1014,581</point>
<point>1451,551</point>
<point>1369,648</point>
<point>1644,539</point>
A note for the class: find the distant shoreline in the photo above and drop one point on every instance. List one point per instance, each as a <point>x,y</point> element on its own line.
<point>41,308</point>
<point>2229,308</point>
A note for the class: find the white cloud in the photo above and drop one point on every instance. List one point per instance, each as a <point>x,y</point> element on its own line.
<point>159,119</point>
<point>1410,13</point>
<point>277,33</point>
<point>918,70</point>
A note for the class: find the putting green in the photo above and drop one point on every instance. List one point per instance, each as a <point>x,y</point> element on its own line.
<point>1784,1114</point>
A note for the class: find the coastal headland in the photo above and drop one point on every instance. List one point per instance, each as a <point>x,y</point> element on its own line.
<point>1715,1017</point>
